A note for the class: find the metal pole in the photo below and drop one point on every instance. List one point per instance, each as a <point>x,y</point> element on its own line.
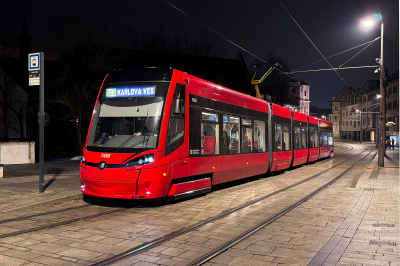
<point>41,124</point>
<point>361,124</point>
<point>382,111</point>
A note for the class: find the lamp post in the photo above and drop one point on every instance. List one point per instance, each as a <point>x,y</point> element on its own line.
<point>358,111</point>
<point>382,110</point>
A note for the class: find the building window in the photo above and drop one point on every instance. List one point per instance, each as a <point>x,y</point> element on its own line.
<point>390,106</point>
<point>343,123</point>
<point>336,118</point>
<point>209,133</point>
<point>394,104</point>
<point>364,110</point>
<point>336,108</point>
<point>347,123</point>
<point>394,89</point>
<point>364,122</point>
<point>390,91</point>
<point>354,124</point>
<point>350,123</point>
<point>230,135</point>
<point>347,113</point>
<point>305,92</point>
<point>358,122</point>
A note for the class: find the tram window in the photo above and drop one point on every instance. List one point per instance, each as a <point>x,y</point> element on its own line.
<point>209,117</point>
<point>259,136</point>
<point>313,137</point>
<point>303,137</point>
<point>176,125</point>
<point>176,129</point>
<point>297,139</point>
<point>323,138</point>
<point>209,134</point>
<point>286,141</point>
<point>330,138</point>
<point>247,135</point>
<point>230,135</point>
<point>278,137</point>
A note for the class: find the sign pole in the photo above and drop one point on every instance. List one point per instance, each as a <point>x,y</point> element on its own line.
<point>41,124</point>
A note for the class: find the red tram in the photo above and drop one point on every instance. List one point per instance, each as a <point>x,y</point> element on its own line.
<point>162,133</point>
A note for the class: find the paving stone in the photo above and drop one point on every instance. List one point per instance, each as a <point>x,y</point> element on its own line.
<point>250,262</point>
<point>19,255</point>
<point>50,261</point>
<point>6,260</point>
<point>172,251</point>
<point>48,247</point>
<point>80,253</point>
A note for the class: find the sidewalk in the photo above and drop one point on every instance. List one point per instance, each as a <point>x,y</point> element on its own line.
<point>20,186</point>
<point>370,234</point>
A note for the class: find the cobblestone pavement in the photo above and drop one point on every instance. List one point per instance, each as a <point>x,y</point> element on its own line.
<point>300,237</point>
<point>20,186</point>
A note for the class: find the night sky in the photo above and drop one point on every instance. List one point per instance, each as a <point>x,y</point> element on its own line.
<point>258,26</point>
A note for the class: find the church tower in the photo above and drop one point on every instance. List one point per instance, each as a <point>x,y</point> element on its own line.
<point>25,43</point>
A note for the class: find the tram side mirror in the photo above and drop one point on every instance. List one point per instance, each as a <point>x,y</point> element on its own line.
<point>177,106</point>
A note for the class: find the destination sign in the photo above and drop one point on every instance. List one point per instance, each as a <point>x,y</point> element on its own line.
<point>131,91</point>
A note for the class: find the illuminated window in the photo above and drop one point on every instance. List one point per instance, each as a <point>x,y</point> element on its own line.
<point>247,135</point>
<point>259,136</point>
<point>209,134</point>
<point>230,135</point>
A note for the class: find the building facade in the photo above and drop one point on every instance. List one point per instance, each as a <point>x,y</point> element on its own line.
<point>300,91</point>
<point>355,112</point>
<point>392,108</point>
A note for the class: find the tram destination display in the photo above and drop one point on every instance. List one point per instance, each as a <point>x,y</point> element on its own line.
<point>131,91</point>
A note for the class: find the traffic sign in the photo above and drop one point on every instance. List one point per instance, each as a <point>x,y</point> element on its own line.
<point>34,69</point>
<point>34,62</point>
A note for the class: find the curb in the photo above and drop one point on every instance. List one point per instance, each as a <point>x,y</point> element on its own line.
<point>56,201</point>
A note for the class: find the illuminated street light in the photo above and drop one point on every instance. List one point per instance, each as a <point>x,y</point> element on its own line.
<point>378,96</point>
<point>368,23</point>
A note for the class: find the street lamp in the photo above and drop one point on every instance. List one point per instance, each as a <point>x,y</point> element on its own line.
<point>382,98</point>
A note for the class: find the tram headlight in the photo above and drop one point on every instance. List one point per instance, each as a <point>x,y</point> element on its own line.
<point>146,159</point>
<point>83,160</point>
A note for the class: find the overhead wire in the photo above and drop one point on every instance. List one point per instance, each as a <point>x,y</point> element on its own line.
<point>313,43</point>
<point>369,42</point>
<point>222,36</point>
<point>358,53</point>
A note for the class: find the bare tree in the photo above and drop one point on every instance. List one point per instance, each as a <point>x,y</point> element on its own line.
<point>276,84</point>
<point>78,82</point>
<point>12,100</point>
<point>153,39</point>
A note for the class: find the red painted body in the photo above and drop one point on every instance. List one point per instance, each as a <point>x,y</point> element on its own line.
<point>281,159</point>
<point>300,156</point>
<point>162,177</point>
<point>313,152</point>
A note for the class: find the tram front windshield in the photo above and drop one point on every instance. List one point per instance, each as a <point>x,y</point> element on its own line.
<point>128,117</point>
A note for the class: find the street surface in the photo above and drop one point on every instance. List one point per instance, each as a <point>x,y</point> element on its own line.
<point>354,220</point>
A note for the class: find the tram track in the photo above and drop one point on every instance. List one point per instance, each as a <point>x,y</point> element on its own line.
<point>77,219</point>
<point>222,248</point>
<point>146,246</point>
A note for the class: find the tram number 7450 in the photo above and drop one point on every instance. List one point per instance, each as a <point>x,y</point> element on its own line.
<point>105,155</point>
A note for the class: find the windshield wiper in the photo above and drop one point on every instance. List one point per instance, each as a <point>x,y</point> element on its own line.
<point>143,131</point>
